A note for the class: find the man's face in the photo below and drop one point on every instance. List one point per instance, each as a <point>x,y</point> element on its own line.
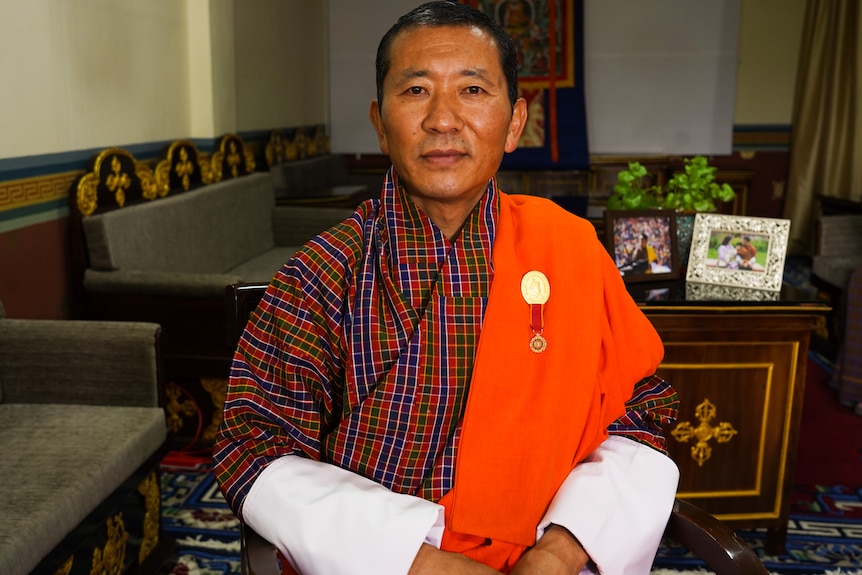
<point>446,119</point>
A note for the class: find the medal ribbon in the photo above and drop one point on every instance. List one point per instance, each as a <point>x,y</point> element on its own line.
<point>537,318</point>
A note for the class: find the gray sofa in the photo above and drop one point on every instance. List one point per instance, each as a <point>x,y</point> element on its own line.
<point>168,261</point>
<point>324,177</point>
<point>839,248</point>
<point>193,244</point>
<point>81,431</point>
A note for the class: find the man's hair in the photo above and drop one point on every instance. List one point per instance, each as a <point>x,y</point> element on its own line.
<point>450,13</point>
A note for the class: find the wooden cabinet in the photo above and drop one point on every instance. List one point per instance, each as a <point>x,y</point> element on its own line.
<point>739,371</point>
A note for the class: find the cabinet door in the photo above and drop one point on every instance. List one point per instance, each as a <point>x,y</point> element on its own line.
<point>740,381</point>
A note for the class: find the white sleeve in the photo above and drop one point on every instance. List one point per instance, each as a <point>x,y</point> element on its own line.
<point>330,521</point>
<point>617,503</point>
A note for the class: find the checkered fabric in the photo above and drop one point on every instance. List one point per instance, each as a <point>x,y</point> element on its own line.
<point>362,349</point>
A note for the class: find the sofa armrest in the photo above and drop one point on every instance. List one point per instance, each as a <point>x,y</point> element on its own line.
<point>165,284</point>
<point>839,235</point>
<point>83,362</point>
<point>295,225</point>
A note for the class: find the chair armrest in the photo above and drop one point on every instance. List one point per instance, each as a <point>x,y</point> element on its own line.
<point>258,554</point>
<point>163,284</point>
<point>295,225</point>
<point>712,541</point>
<point>709,539</point>
<point>84,362</point>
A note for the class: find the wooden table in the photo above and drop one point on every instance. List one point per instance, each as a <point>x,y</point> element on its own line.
<point>738,363</point>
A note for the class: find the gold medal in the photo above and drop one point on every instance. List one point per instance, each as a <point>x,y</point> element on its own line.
<point>535,287</point>
<point>536,290</point>
<point>538,343</point>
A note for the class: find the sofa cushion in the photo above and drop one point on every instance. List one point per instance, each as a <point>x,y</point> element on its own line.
<point>302,177</point>
<point>95,362</point>
<point>207,230</point>
<point>261,268</point>
<point>59,463</point>
<point>836,270</point>
<point>840,235</point>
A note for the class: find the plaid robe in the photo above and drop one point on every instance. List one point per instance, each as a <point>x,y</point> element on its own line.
<point>362,350</point>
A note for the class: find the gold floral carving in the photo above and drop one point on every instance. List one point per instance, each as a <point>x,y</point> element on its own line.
<point>176,409</point>
<point>117,180</point>
<point>217,388</point>
<point>233,159</point>
<point>111,559</point>
<point>66,567</point>
<point>291,152</point>
<point>181,158</point>
<point>149,488</point>
<point>87,195</point>
<point>233,154</point>
<point>701,451</point>
<point>275,148</point>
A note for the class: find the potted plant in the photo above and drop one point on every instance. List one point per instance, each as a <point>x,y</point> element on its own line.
<point>690,191</point>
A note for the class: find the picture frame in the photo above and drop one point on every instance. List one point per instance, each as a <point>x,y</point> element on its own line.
<point>643,244</point>
<point>738,251</point>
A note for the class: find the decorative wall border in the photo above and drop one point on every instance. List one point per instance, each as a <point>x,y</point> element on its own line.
<point>36,189</point>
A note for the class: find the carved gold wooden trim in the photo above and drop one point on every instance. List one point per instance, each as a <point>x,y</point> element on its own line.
<point>233,156</point>
<point>701,451</point>
<point>217,388</point>
<point>276,148</point>
<point>114,171</point>
<point>319,142</point>
<point>66,567</point>
<point>110,559</point>
<point>176,409</point>
<point>188,165</point>
<point>149,488</point>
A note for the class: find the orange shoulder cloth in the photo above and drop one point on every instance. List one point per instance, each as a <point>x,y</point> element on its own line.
<point>531,417</point>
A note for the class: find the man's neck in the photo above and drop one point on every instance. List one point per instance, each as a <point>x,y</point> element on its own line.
<point>448,216</point>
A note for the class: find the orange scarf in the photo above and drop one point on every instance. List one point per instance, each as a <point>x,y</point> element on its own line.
<point>531,417</point>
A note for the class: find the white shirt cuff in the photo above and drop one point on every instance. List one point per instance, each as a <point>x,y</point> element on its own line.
<point>328,520</point>
<point>617,503</point>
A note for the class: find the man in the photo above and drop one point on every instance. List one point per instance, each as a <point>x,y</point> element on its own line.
<point>747,254</point>
<point>645,257</point>
<point>428,387</point>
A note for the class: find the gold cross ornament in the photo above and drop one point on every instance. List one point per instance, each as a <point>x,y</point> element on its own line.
<point>701,451</point>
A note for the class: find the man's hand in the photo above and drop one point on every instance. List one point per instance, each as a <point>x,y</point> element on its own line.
<point>432,561</point>
<point>556,553</point>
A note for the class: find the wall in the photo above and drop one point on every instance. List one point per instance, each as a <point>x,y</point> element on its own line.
<point>81,75</point>
<point>281,56</point>
<point>89,74</point>
<point>770,37</point>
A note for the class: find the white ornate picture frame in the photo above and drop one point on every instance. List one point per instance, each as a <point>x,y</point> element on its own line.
<point>738,251</point>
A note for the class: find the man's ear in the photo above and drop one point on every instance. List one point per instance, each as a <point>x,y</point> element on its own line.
<point>377,122</point>
<point>516,124</point>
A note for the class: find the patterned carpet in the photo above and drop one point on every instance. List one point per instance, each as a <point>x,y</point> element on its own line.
<point>825,532</point>
<point>824,535</point>
<point>196,516</point>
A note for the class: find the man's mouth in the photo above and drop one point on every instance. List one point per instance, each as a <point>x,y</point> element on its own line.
<point>443,157</point>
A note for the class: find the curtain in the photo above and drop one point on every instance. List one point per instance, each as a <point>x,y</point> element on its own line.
<point>826,145</point>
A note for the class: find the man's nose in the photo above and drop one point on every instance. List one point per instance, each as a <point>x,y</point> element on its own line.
<point>444,114</point>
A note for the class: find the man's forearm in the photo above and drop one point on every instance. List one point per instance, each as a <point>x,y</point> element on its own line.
<point>327,520</point>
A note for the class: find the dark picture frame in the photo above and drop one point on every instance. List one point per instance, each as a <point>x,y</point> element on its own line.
<point>643,244</point>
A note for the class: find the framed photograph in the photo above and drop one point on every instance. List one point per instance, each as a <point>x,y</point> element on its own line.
<point>643,244</point>
<point>738,251</point>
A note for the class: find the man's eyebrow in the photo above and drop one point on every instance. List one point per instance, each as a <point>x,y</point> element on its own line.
<point>411,73</point>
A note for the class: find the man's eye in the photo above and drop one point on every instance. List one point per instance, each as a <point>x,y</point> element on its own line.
<point>415,90</point>
<point>474,90</point>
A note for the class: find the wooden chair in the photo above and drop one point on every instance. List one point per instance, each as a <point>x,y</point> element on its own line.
<point>713,542</point>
